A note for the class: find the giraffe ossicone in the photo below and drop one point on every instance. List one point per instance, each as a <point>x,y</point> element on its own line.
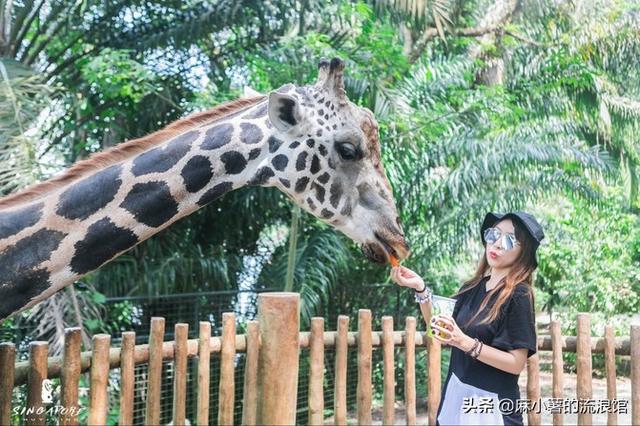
<point>310,142</point>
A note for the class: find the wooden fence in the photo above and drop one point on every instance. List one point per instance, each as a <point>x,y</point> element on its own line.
<point>272,346</point>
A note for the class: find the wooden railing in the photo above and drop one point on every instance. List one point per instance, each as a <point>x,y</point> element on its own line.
<point>272,346</point>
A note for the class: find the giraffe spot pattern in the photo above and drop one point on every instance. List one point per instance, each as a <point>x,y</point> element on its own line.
<point>280,162</point>
<point>254,153</point>
<point>15,221</point>
<point>301,184</point>
<point>315,164</point>
<point>324,178</point>
<point>311,143</point>
<point>319,133</point>
<point>150,203</point>
<point>234,162</point>
<point>320,191</point>
<point>217,136</point>
<point>26,255</point>
<point>312,205</point>
<point>323,150</point>
<point>159,160</point>
<point>274,144</point>
<point>216,192</point>
<point>20,277</point>
<point>285,182</point>
<point>91,194</point>
<point>326,214</point>
<point>335,193</point>
<point>294,145</point>
<point>104,240</point>
<point>301,162</point>
<point>250,133</point>
<point>197,173</point>
<point>19,292</point>
<point>262,176</point>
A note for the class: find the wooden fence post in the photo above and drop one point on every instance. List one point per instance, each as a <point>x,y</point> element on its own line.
<point>127,377</point>
<point>204,359</point>
<point>316,372</point>
<point>610,368</point>
<point>635,374</point>
<point>154,380</point>
<point>279,317</point>
<point>250,400</point>
<point>583,365</point>
<point>38,352</point>
<point>340,393</point>
<point>410,370</point>
<point>70,376</point>
<point>227,384</point>
<point>533,389</point>
<point>7,365</point>
<point>364,367</point>
<point>558,369</point>
<point>180,350</point>
<point>98,402</point>
<point>389,382</point>
<point>433,372</point>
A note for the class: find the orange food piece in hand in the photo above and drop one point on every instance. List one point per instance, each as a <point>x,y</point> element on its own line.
<point>393,260</point>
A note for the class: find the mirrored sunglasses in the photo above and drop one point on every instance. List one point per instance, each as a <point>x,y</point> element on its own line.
<point>492,235</point>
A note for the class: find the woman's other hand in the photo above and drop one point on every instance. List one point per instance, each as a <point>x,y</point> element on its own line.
<point>407,278</point>
<point>453,336</point>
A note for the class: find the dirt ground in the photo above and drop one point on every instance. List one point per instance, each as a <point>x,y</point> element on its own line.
<point>599,387</point>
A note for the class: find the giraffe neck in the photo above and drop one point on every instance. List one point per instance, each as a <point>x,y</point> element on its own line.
<point>57,239</point>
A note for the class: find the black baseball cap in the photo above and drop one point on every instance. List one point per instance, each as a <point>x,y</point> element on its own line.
<point>531,225</point>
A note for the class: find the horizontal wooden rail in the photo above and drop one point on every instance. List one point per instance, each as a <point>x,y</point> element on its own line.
<point>140,356</point>
<point>141,353</point>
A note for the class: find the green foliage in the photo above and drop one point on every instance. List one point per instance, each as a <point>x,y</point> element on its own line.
<point>114,75</point>
<point>591,262</point>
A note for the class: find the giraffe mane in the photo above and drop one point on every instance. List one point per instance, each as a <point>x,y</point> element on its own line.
<point>126,150</point>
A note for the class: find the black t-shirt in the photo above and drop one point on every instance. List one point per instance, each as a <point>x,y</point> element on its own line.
<point>513,328</point>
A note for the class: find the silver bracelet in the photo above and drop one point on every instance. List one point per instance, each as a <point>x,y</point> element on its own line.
<point>424,296</point>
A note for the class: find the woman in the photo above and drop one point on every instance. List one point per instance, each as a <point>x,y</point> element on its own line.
<point>492,330</point>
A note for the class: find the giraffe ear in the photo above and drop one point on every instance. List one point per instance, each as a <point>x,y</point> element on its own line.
<point>284,111</point>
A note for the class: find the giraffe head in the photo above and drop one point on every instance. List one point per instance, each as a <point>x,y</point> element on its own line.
<point>329,162</point>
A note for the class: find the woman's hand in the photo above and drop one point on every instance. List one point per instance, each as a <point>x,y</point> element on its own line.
<point>453,336</point>
<point>407,278</point>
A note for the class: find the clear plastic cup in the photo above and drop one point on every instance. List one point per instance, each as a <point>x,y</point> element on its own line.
<point>441,306</point>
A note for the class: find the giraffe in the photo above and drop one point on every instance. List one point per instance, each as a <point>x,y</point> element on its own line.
<point>310,142</point>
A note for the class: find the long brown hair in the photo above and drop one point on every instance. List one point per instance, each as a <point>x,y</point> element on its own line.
<point>521,272</point>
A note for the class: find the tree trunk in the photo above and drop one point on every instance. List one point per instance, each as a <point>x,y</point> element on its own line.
<point>497,15</point>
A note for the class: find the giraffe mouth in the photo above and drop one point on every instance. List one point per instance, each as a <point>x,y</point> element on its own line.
<point>379,251</point>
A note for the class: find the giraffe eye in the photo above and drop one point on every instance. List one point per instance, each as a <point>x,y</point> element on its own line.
<point>347,151</point>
